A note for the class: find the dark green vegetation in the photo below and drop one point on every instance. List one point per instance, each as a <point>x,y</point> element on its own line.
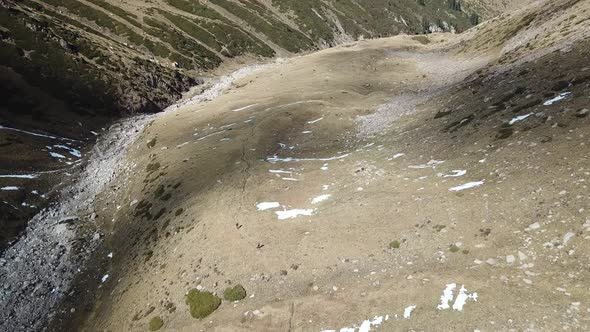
<point>156,323</point>
<point>235,293</point>
<point>394,244</point>
<point>202,304</point>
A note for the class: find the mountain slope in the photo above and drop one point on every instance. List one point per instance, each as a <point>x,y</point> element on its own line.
<point>427,183</point>
<point>71,68</point>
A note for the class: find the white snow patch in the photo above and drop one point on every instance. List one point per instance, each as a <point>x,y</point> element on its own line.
<point>20,176</point>
<point>430,164</point>
<point>366,325</point>
<point>293,104</point>
<point>57,155</point>
<point>567,237</point>
<point>316,120</point>
<point>72,151</point>
<point>456,173</point>
<point>104,278</point>
<point>460,301</point>
<point>324,167</point>
<point>275,159</point>
<point>446,297</point>
<point>181,145</point>
<point>519,118</point>
<point>290,179</point>
<point>291,214</point>
<point>561,96</point>
<point>462,298</point>
<point>398,155</point>
<point>408,311</point>
<point>467,186</point>
<point>37,134</point>
<point>209,135</point>
<point>244,108</point>
<point>320,198</point>
<point>279,171</point>
<point>267,205</point>
<point>9,188</point>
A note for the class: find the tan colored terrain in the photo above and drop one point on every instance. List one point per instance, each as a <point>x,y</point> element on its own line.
<point>412,166</point>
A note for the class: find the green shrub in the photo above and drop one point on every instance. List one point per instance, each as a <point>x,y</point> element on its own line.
<point>202,304</point>
<point>235,293</point>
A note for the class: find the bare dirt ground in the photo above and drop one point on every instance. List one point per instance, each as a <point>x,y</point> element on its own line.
<point>390,184</point>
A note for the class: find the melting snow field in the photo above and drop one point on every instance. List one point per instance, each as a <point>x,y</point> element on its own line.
<point>468,185</point>
<point>291,214</point>
<point>9,188</point>
<point>561,96</point>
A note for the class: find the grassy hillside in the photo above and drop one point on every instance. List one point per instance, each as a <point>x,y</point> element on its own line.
<point>114,49</point>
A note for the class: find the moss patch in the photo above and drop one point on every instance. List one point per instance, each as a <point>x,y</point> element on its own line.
<point>151,143</point>
<point>202,304</point>
<point>394,244</point>
<point>156,323</point>
<point>439,228</point>
<point>235,293</point>
<point>453,248</point>
<point>422,39</point>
